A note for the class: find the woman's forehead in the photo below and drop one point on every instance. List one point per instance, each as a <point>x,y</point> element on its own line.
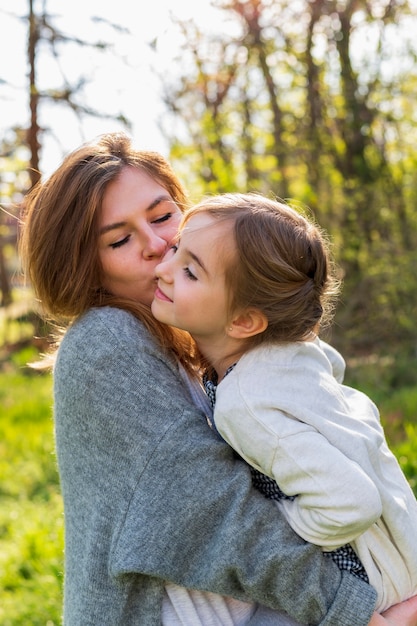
<point>133,190</point>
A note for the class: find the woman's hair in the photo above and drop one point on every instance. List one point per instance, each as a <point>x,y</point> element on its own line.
<point>60,232</point>
<point>281,265</point>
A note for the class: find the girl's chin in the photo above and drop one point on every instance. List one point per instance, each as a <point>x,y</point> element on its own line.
<point>158,314</point>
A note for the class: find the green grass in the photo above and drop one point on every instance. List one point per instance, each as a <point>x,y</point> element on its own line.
<point>31,518</point>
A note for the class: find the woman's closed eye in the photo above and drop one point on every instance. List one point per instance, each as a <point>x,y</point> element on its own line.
<point>162,219</point>
<point>121,242</point>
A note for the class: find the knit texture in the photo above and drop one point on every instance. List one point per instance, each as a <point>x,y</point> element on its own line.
<point>152,495</point>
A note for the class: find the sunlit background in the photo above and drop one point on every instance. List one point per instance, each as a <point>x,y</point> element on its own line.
<point>127,78</point>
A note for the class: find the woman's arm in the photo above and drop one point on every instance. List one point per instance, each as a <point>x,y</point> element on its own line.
<point>169,497</point>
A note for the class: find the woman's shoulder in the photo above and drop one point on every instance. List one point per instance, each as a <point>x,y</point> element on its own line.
<point>109,332</point>
<point>107,322</point>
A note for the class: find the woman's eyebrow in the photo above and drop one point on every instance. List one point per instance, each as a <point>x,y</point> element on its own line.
<point>158,200</point>
<point>109,227</point>
<point>121,224</point>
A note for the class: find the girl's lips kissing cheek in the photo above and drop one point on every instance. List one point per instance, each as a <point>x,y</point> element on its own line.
<point>161,296</point>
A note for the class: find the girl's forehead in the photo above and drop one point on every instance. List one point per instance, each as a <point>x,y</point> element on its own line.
<point>209,237</point>
<point>205,223</point>
<point>199,220</point>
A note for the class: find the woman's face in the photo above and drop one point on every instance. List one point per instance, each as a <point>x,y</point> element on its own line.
<point>138,221</point>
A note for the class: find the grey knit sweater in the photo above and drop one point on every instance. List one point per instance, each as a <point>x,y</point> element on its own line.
<point>150,495</point>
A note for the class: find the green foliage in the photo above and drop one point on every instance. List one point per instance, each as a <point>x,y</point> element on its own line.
<point>31,516</point>
<point>380,378</point>
<point>406,453</point>
<point>384,376</point>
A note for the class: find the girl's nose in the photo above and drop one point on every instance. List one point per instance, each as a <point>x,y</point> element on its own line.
<point>162,270</point>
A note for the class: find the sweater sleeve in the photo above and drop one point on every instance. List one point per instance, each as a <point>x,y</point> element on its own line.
<point>271,414</point>
<point>198,523</point>
<point>152,492</point>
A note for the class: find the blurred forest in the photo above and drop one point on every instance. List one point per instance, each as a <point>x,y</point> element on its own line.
<point>308,100</point>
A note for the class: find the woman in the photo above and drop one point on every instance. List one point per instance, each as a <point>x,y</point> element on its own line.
<point>155,506</point>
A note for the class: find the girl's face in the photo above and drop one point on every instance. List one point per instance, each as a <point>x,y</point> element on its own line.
<point>191,292</point>
<point>138,221</point>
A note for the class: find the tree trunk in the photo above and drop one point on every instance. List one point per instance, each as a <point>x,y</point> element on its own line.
<point>33,130</point>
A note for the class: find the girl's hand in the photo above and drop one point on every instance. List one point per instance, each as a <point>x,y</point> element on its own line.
<point>402,614</point>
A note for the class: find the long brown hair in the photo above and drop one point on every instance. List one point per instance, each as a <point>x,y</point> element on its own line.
<point>281,265</point>
<point>59,236</point>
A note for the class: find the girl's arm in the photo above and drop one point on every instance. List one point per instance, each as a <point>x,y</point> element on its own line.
<point>403,614</point>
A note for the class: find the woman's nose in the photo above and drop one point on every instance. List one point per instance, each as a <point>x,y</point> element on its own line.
<point>154,246</point>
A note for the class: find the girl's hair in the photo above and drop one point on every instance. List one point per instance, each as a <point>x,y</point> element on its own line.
<point>59,237</point>
<point>281,265</point>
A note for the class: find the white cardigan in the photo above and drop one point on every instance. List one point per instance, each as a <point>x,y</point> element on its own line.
<point>284,412</point>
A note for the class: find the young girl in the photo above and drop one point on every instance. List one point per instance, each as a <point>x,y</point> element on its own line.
<point>251,280</point>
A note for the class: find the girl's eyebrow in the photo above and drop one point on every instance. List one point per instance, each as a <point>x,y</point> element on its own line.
<point>150,207</point>
<point>197,259</point>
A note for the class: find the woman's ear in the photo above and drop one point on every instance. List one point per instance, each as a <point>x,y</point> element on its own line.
<point>247,324</point>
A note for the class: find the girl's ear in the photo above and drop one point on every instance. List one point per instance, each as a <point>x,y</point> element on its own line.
<point>247,324</point>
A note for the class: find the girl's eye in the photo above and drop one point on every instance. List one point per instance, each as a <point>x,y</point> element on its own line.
<point>119,243</point>
<point>189,273</point>
<point>170,252</point>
